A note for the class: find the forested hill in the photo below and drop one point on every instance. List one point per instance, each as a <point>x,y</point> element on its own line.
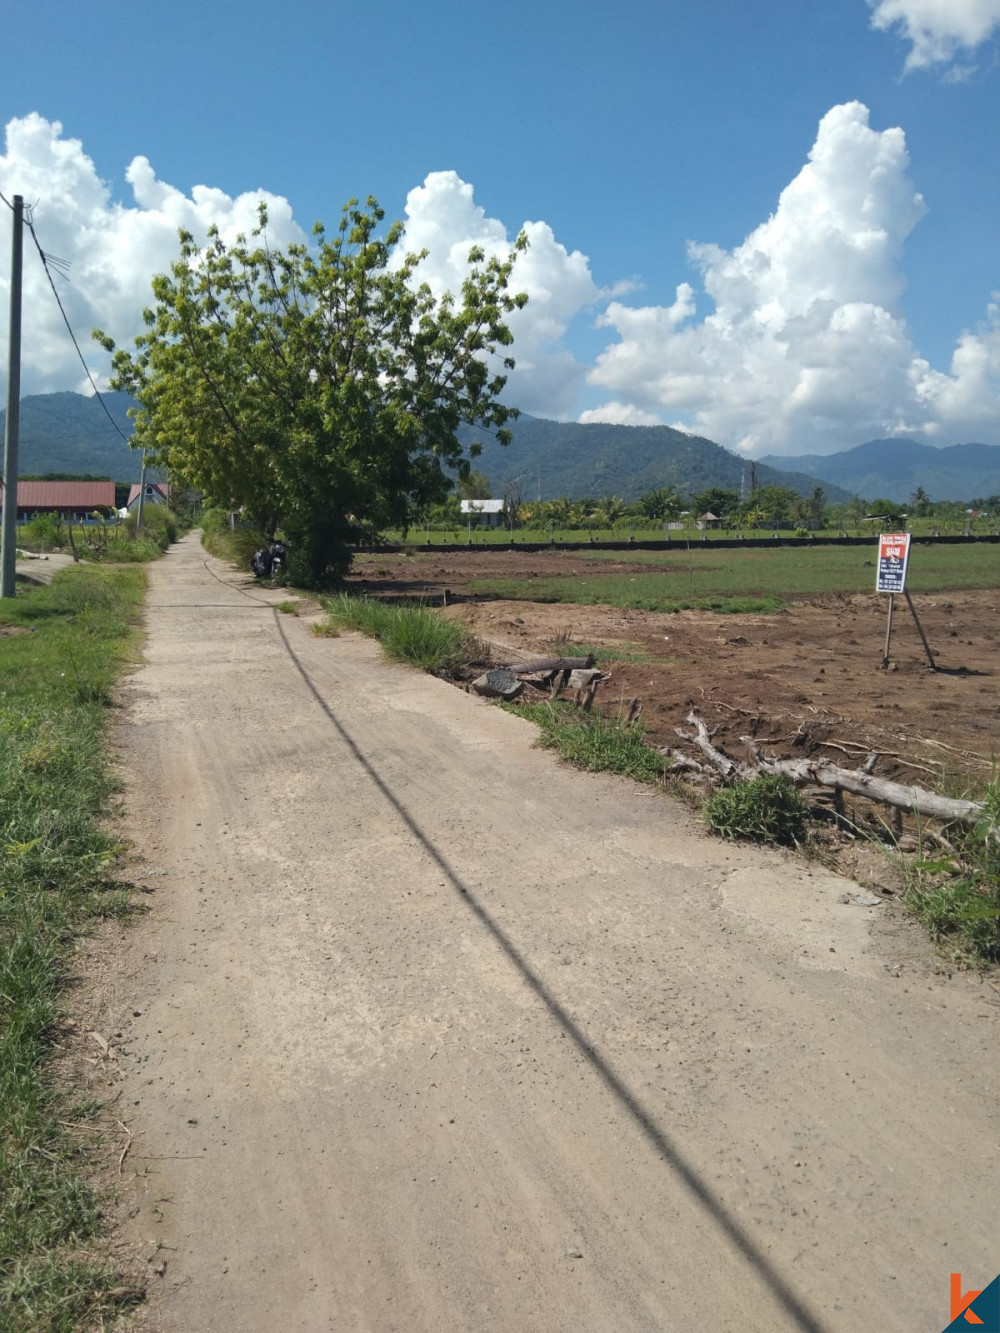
<point>896,468</point>
<point>565,458</point>
<point>69,433</point>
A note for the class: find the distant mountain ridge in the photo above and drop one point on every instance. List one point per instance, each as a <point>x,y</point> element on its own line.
<point>68,432</point>
<point>894,469</point>
<point>557,458</point>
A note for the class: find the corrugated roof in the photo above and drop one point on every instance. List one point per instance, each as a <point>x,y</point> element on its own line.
<point>64,494</point>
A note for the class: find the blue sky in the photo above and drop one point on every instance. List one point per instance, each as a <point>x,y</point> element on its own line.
<point>624,137</point>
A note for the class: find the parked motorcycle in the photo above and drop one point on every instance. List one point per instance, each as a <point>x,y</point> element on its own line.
<point>267,562</point>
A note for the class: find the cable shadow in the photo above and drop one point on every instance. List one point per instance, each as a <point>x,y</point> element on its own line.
<point>793,1306</point>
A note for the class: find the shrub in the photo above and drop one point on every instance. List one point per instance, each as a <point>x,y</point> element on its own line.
<point>158,522</point>
<point>219,540</point>
<point>767,809</point>
<point>47,532</point>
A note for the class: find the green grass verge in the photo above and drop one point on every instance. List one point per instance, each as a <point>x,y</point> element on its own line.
<point>413,634</point>
<point>957,896</point>
<point>597,744</point>
<point>69,642</point>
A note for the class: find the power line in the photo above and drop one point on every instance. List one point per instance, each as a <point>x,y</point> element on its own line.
<point>62,268</point>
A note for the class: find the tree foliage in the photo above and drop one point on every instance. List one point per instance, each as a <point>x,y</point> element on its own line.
<point>319,387</point>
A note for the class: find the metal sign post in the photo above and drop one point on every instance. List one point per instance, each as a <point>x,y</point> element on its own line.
<point>893,560</point>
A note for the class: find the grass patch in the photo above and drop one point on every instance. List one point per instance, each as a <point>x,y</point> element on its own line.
<point>957,897</point>
<point>644,592</point>
<point>288,608</point>
<point>699,578</point>
<point>413,634</point>
<point>767,810</point>
<point>55,877</point>
<point>597,744</point>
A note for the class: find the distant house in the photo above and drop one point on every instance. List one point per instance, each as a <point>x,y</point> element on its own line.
<point>489,513</point>
<point>709,520</point>
<point>157,493</point>
<point>72,500</point>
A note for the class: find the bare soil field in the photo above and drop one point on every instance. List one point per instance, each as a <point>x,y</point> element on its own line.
<point>804,680</point>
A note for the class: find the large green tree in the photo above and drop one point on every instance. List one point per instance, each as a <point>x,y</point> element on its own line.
<point>320,388</point>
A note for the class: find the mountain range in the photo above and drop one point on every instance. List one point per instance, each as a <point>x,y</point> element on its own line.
<point>70,433</point>
<point>555,458</point>
<point>67,432</point>
<point>894,469</point>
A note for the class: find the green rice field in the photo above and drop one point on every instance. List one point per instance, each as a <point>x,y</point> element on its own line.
<point>745,580</point>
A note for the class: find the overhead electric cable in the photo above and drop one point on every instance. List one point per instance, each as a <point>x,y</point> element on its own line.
<point>62,266</point>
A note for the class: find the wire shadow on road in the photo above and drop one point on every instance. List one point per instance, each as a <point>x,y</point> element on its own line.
<point>793,1306</point>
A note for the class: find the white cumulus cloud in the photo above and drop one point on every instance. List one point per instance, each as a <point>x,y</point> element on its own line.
<point>806,347</point>
<point>443,218</point>
<point>113,248</point>
<point>619,414</point>
<point>937,30</point>
<point>792,341</point>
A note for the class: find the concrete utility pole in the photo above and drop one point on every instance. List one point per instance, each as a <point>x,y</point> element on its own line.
<point>8,544</point>
<point>142,495</point>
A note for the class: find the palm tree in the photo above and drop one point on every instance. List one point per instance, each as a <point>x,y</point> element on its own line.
<point>659,504</point>
<point>611,511</point>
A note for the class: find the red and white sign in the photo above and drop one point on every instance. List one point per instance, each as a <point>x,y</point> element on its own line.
<point>893,554</point>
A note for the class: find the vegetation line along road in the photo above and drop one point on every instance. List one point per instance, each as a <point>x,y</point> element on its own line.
<point>61,648</point>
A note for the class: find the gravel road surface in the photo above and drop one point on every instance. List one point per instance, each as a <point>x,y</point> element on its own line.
<point>425,1031</point>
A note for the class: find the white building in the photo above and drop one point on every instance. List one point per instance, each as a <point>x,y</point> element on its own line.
<point>489,513</point>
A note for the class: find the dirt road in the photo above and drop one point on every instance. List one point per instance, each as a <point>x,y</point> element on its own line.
<point>426,1032</point>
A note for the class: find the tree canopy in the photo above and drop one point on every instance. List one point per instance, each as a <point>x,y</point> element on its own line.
<point>320,388</point>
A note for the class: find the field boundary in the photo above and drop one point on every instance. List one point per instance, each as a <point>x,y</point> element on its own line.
<point>680,544</point>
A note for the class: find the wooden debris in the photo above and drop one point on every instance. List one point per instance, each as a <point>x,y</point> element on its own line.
<point>820,772</point>
<point>535,664</point>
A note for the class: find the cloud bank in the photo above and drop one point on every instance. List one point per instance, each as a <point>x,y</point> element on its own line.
<point>938,30</point>
<point>113,249</point>
<point>793,341</point>
<point>805,347</point>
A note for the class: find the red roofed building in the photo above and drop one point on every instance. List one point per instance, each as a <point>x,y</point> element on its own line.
<point>157,493</point>
<point>75,500</point>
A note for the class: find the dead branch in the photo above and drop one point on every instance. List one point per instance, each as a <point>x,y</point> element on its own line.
<point>535,664</point>
<point>729,768</point>
<point>861,782</point>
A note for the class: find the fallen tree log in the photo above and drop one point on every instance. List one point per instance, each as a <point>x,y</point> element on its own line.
<point>915,800</point>
<point>823,773</point>
<point>538,664</point>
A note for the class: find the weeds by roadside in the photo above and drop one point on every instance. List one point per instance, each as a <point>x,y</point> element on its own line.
<point>109,541</point>
<point>220,541</point>
<point>767,809</point>
<point>956,893</point>
<point>55,876</point>
<point>417,635</point>
<point>590,741</point>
